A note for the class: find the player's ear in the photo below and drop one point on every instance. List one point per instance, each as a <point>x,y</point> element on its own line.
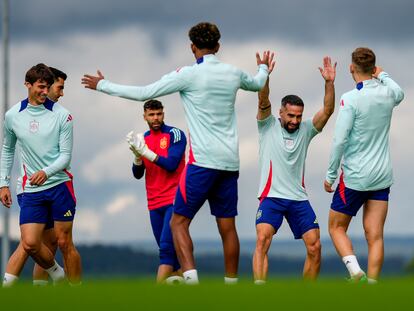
<point>351,68</point>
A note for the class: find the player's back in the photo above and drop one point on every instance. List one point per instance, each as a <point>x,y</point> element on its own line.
<point>209,104</point>
<point>367,157</point>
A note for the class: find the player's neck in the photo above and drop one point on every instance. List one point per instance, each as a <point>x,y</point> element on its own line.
<point>358,77</point>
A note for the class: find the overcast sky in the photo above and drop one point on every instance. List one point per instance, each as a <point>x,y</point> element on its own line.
<point>135,42</point>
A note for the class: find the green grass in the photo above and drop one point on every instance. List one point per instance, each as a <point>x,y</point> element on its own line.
<point>277,294</point>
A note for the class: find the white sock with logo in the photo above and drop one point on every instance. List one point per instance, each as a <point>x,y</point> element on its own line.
<point>230,281</point>
<point>9,279</point>
<point>191,277</point>
<point>351,263</point>
<point>56,272</point>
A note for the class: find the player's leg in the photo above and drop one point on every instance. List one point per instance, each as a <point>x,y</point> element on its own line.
<point>345,204</point>
<point>192,192</point>
<point>63,209</point>
<point>304,225</point>
<point>70,254</point>
<point>269,218</point>
<point>168,258</point>
<point>40,276</point>
<point>264,237</point>
<point>31,235</point>
<point>184,247</point>
<point>222,199</point>
<point>375,213</point>
<point>15,266</point>
<point>312,264</point>
<point>231,247</point>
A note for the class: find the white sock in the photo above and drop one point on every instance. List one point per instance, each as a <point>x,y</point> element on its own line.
<point>40,283</point>
<point>230,281</point>
<point>372,281</point>
<point>9,279</point>
<point>191,277</point>
<point>259,282</point>
<point>56,272</point>
<point>352,265</point>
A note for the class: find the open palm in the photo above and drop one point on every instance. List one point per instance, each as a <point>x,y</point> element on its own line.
<point>328,71</point>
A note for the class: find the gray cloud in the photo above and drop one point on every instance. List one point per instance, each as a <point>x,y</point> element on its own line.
<point>300,22</point>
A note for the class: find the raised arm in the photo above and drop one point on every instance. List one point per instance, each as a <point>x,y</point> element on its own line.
<point>168,84</point>
<point>265,66</point>
<point>328,73</point>
<point>385,79</point>
<point>264,108</point>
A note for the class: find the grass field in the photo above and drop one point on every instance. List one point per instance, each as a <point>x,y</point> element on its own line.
<point>277,294</point>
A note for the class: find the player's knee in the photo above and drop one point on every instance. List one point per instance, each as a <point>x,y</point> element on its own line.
<point>263,241</point>
<point>373,236</point>
<point>31,246</point>
<point>65,244</point>
<point>314,249</point>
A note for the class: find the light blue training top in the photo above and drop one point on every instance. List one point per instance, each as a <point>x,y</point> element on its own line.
<point>282,157</point>
<point>362,135</point>
<point>44,134</point>
<point>208,92</point>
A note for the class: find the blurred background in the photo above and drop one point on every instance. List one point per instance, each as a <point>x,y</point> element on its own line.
<point>136,42</point>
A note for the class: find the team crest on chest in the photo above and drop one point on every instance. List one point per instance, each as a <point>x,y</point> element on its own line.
<point>163,143</point>
<point>34,126</point>
<point>289,143</point>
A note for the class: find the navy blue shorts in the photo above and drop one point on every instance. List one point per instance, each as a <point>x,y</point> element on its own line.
<point>349,201</point>
<point>160,223</point>
<point>299,215</point>
<point>49,224</point>
<point>200,184</point>
<point>57,203</point>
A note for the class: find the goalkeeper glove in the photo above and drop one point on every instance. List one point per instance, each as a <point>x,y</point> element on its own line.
<point>139,148</point>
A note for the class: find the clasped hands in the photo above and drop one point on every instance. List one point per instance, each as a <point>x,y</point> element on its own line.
<point>139,148</point>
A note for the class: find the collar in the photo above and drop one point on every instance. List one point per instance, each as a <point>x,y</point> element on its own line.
<point>361,84</point>
<point>206,57</point>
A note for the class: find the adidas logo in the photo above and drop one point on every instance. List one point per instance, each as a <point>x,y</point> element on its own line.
<point>316,221</point>
<point>68,214</point>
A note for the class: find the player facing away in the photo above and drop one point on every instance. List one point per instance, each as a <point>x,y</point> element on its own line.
<point>361,141</point>
<point>208,92</point>
<point>283,145</point>
<point>19,256</point>
<point>43,130</point>
<point>160,154</point>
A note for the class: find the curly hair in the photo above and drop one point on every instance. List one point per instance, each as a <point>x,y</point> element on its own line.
<point>364,59</point>
<point>204,35</point>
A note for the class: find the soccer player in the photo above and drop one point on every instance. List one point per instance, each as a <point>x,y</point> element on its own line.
<point>43,130</point>
<point>19,257</point>
<point>283,147</point>
<point>208,92</point>
<point>361,141</point>
<point>160,154</point>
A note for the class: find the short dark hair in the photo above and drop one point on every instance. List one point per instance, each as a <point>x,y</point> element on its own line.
<point>204,35</point>
<point>58,73</point>
<point>292,100</point>
<point>153,104</point>
<point>39,72</point>
<point>364,60</point>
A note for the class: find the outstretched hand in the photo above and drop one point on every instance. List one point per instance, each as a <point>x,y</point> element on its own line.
<point>267,59</point>
<point>328,71</point>
<point>90,82</point>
